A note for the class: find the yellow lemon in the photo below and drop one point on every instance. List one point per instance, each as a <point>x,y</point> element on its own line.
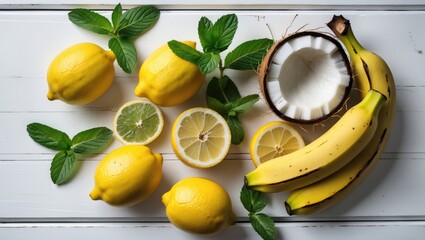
<point>80,74</point>
<point>168,80</point>
<point>274,139</point>
<point>199,205</point>
<point>127,176</point>
<point>200,137</point>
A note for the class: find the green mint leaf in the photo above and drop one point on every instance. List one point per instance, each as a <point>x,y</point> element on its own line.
<point>91,140</point>
<point>223,31</point>
<point>248,55</point>
<point>137,20</point>
<point>236,129</point>
<point>208,62</point>
<point>216,105</point>
<point>204,33</point>
<point>243,104</point>
<point>263,225</point>
<point>116,15</point>
<point>125,52</point>
<point>184,51</point>
<point>232,114</point>
<point>90,20</point>
<point>252,200</point>
<point>48,137</point>
<point>62,166</point>
<point>223,89</point>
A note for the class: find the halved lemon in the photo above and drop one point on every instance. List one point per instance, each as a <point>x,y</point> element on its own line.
<point>138,122</point>
<point>200,137</point>
<point>274,139</point>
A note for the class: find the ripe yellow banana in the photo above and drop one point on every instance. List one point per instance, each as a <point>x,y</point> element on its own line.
<point>370,72</point>
<point>325,155</point>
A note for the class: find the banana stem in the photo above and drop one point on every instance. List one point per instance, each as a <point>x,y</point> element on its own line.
<point>342,29</point>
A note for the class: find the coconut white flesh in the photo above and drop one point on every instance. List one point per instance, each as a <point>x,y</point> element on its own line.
<point>307,78</point>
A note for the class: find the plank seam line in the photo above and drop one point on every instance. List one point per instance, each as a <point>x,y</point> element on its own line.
<point>221,7</point>
<point>241,220</point>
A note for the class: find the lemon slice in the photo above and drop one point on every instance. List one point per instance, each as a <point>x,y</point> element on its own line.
<point>138,122</point>
<point>200,137</point>
<point>273,140</point>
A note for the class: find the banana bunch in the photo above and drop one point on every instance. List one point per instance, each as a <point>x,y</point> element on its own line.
<point>326,170</point>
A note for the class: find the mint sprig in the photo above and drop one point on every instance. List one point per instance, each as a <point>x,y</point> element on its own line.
<point>122,28</point>
<point>254,202</point>
<point>222,94</point>
<point>86,142</point>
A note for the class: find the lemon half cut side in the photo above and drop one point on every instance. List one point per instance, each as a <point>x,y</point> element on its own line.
<point>274,139</point>
<point>200,137</point>
<point>138,122</point>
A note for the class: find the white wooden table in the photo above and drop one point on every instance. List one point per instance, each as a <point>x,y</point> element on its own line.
<point>388,205</point>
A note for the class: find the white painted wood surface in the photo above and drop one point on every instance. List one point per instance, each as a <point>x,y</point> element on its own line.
<point>388,205</point>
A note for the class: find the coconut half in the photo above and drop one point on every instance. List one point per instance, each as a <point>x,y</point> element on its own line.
<point>305,77</point>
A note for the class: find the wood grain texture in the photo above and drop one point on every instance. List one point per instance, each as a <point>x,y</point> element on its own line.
<point>388,205</point>
<point>136,231</point>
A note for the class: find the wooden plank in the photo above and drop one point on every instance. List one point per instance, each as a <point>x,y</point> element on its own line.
<point>406,137</point>
<point>393,191</point>
<point>287,231</point>
<point>220,4</point>
<point>51,32</point>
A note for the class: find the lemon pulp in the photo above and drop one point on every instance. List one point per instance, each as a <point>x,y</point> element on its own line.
<point>138,122</point>
<point>273,140</point>
<point>200,137</point>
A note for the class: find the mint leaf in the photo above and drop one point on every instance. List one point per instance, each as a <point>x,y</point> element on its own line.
<point>236,129</point>
<point>184,51</point>
<point>137,20</point>
<point>223,31</point>
<point>248,55</point>
<point>243,104</point>
<point>204,33</point>
<point>91,140</point>
<point>223,89</point>
<point>48,137</point>
<point>62,166</point>
<point>90,20</point>
<point>116,15</point>
<point>208,62</point>
<point>216,105</point>
<point>252,200</point>
<point>263,225</point>
<point>125,52</point>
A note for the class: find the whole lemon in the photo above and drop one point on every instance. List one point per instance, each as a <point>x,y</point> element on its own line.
<point>127,176</point>
<point>80,74</point>
<point>199,205</point>
<point>166,79</point>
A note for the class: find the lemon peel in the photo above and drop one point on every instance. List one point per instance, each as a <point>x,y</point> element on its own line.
<point>199,205</point>
<point>168,80</point>
<point>80,74</point>
<point>127,176</point>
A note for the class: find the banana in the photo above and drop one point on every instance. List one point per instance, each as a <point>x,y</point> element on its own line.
<point>371,72</point>
<point>325,155</point>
